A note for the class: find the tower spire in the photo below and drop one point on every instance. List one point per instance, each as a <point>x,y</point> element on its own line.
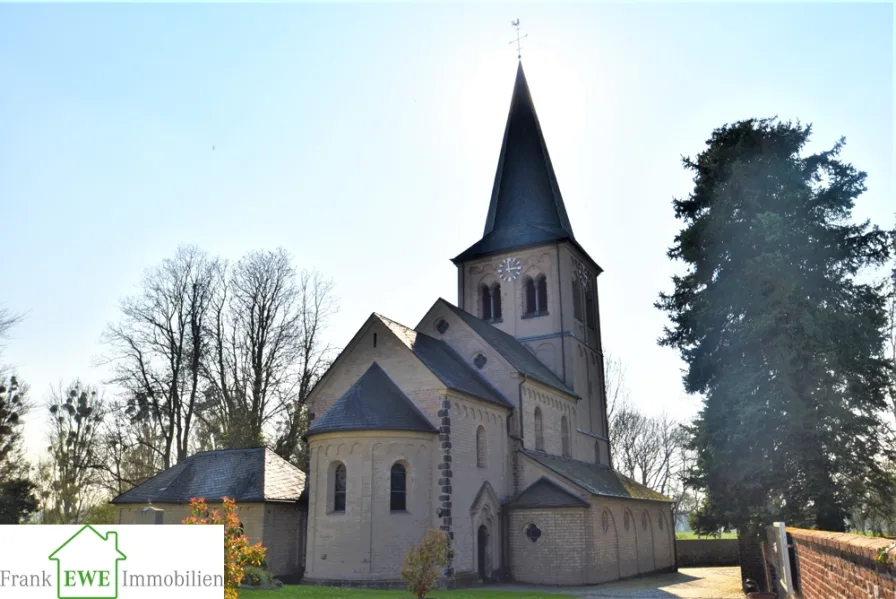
<point>526,207</point>
<point>518,40</point>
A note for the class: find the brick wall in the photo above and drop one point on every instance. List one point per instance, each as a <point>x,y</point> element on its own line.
<point>396,360</point>
<point>278,526</point>
<point>284,531</point>
<point>620,538</point>
<point>558,555</point>
<point>693,553</point>
<point>842,566</point>
<point>368,542</point>
<point>467,478</point>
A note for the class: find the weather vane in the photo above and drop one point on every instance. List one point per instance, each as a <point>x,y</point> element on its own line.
<point>518,39</point>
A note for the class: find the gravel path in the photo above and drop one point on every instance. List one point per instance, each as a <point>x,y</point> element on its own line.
<point>687,583</point>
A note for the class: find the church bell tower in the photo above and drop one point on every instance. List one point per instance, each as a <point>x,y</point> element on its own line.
<point>529,277</point>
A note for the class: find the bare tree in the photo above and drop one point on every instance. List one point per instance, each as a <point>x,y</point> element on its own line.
<point>158,347</point>
<point>316,306</point>
<point>14,405</point>
<point>649,449</point>
<point>266,345</point>
<point>7,321</point>
<point>18,497</point>
<point>127,452</point>
<point>69,477</point>
<point>617,391</point>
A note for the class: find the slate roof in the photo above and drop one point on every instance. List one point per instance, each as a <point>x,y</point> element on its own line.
<point>246,475</point>
<point>595,478</point>
<point>513,351</point>
<point>374,402</point>
<point>526,207</point>
<point>445,363</point>
<point>545,493</point>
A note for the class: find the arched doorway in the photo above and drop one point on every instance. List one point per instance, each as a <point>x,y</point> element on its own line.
<point>482,552</point>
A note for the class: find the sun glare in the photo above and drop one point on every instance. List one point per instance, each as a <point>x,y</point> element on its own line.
<point>486,100</point>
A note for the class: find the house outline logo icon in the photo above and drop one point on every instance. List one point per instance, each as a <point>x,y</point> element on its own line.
<point>87,565</point>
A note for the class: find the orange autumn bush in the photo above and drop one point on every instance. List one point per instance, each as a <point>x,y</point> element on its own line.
<point>238,553</point>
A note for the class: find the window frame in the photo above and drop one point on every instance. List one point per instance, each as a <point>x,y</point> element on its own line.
<point>538,417</point>
<point>335,507</point>
<point>402,493</point>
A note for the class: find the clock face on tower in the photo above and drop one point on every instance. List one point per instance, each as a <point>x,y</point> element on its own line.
<point>509,269</point>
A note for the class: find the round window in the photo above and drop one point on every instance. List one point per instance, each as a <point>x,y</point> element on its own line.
<point>533,532</point>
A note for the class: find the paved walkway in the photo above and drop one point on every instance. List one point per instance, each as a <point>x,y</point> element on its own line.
<point>687,583</point>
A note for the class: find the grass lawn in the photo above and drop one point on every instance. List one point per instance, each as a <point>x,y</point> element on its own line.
<point>686,536</point>
<point>309,592</point>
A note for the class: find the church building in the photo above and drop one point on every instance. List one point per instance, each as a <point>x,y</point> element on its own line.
<point>487,419</point>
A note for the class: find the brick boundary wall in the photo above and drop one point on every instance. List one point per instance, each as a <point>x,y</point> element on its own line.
<point>840,565</point>
<point>693,553</point>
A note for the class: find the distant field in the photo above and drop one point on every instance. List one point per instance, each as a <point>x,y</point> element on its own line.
<point>683,536</point>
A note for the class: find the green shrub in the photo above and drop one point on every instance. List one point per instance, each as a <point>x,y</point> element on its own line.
<point>421,564</point>
<point>253,576</point>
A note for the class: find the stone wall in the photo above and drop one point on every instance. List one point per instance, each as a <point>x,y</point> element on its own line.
<point>842,565</point>
<point>694,553</point>
<point>367,542</point>
<point>559,555</point>
<point>280,527</point>
<point>615,538</point>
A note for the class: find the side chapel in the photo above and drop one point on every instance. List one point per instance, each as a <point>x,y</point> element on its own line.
<point>487,419</point>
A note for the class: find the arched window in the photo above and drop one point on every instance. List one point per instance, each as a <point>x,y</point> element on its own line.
<point>541,294</point>
<point>589,308</point>
<point>486,302</point>
<point>539,430</point>
<point>564,436</point>
<point>399,488</point>
<point>529,287</point>
<point>339,484</point>
<point>481,447</point>
<point>490,298</point>
<point>577,297</point>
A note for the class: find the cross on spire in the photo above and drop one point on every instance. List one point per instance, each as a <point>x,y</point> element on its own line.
<point>518,39</point>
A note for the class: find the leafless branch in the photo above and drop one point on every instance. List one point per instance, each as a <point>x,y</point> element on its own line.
<point>158,347</point>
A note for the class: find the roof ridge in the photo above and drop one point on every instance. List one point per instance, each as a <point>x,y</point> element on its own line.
<point>560,384</point>
<point>596,478</point>
<point>353,411</point>
<point>404,326</point>
<point>475,374</point>
<point>207,451</point>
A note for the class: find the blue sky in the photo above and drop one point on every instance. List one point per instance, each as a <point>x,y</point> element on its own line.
<point>364,139</point>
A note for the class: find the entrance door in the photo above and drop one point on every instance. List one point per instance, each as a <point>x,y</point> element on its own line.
<point>482,546</point>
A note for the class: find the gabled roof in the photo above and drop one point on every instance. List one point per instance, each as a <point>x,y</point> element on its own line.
<point>595,478</point>
<point>526,207</point>
<point>246,475</point>
<point>545,493</point>
<point>445,363</point>
<point>512,350</point>
<point>374,402</point>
